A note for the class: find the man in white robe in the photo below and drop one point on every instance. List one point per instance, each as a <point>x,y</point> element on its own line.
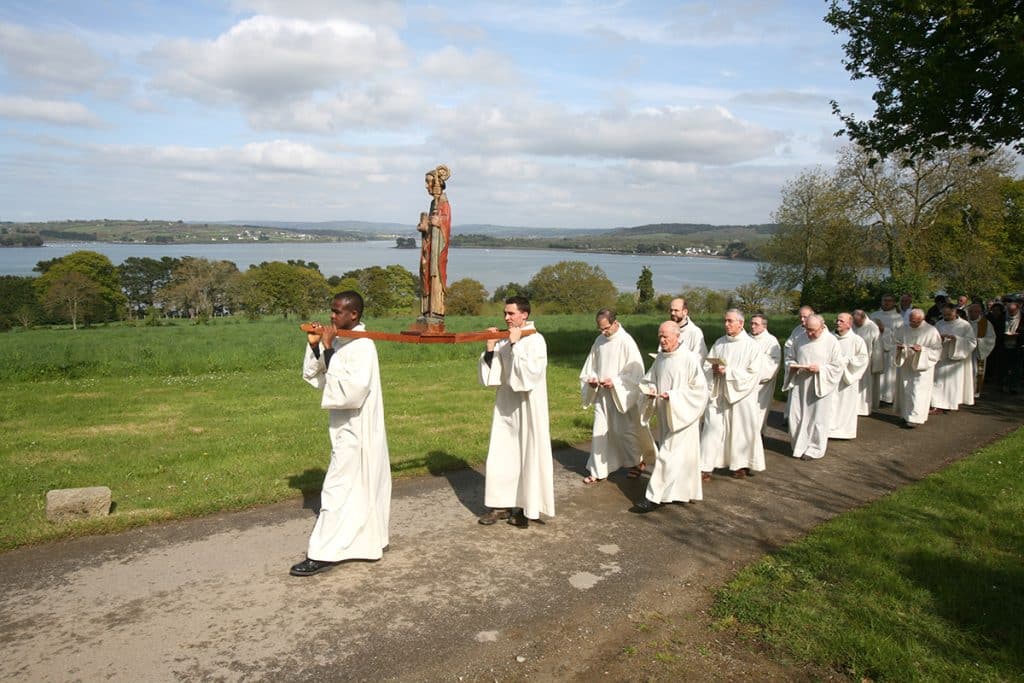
<point>986,336</point>
<point>813,370</point>
<point>608,382</point>
<point>954,371</point>
<point>519,473</point>
<point>769,346</point>
<point>865,328</point>
<point>917,349</point>
<point>856,360</point>
<point>799,332</point>
<point>906,306</point>
<point>676,389</point>
<point>888,320</point>
<point>355,503</point>
<point>690,336</point>
<point>732,422</point>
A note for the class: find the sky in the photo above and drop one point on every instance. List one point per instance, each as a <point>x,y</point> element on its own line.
<point>563,114</point>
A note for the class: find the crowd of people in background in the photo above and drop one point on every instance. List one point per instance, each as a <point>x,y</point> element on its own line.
<point>712,404</point>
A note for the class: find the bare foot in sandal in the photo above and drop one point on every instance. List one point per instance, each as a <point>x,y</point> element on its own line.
<point>590,479</point>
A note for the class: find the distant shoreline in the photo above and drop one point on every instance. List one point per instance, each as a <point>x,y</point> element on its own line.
<point>85,245</point>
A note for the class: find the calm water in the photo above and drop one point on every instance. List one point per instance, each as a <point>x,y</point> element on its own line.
<point>492,267</point>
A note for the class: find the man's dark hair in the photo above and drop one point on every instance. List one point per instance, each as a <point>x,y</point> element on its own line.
<point>521,302</point>
<point>606,314</point>
<point>351,300</point>
<point>949,304</point>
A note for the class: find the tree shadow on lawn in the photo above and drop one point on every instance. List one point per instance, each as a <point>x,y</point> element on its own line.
<point>983,601</point>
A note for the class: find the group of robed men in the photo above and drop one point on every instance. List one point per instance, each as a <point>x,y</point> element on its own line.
<point>355,502</point>
<point>711,406</point>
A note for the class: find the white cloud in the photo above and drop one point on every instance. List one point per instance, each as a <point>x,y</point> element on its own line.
<point>61,112</point>
<point>264,59</point>
<point>50,62</point>
<point>707,135</point>
<point>482,67</point>
<point>387,12</point>
<point>375,106</point>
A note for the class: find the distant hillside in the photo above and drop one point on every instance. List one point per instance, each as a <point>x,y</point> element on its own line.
<point>693,228</point>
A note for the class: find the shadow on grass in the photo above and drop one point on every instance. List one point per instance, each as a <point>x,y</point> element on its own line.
<point>309,482</point>
<point>979,599</point>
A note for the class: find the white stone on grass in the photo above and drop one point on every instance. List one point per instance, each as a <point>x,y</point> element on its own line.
<point>63,505</point>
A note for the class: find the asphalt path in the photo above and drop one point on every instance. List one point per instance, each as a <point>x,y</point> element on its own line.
<point>211,598</point>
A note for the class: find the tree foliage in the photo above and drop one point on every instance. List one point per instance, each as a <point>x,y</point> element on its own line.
<point>510,289</point>
<point>141,278</point>
<point>645,287</point>
<point>94,267</point>
<point>465,297</point>
<point>818,239</point>
<point>572,287</point>
<point>74,297</point>
<point>282,288</point>
<point>391,289</point>
<point>948,73</point>
<point>199,288</point>
<point>19,303</point>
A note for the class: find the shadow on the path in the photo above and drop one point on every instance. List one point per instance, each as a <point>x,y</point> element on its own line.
<point>309,482</point>
<point>466,482</point>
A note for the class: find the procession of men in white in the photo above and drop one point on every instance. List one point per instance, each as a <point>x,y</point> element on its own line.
<point>695,411</point>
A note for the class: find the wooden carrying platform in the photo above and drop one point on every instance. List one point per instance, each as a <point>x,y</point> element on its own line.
<point>419,336</point>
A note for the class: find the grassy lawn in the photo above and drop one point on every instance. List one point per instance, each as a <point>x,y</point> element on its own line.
<point>182,420</point>
<point>926,584</point>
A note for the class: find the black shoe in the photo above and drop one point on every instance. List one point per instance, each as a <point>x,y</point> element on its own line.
<point>644,506</point>
<point>806,458</point>
<point>518,519</point>
<point>309,567</point>
<point>492,516</point>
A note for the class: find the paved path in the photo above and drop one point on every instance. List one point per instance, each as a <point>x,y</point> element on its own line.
<point>211,599</point>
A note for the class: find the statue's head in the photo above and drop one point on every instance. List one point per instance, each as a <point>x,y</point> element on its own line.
<point>437,179</point>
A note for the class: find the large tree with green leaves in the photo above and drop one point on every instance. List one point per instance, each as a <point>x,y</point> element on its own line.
<point>73,297</point>
<point>819,247</point>
<point>199,287</point>
<point>94,267</point>
<point>572,287</point>
<point>948,73</point>
<point>284,288</point>
<point>390,289</point>
<point>906,200</point>
<point>142,277</point>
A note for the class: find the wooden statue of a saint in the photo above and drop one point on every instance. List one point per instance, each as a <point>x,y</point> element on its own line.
<point>436,228</point>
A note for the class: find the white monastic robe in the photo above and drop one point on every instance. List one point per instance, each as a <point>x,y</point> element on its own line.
<point>355,503</point>
<point>691,338</point>
<point>618,438</point>
<point>847,402</point>
<point>891,321</point>
<point>954,376</point>
<point>986,337</point>
<point>732,421</point>
<point>812,393</point>
<point>915,370</point>
<point>519,472</point>
<point>787,350</point>
<point>869,380</point>
<point>676,475</point>
<point>769,346</point>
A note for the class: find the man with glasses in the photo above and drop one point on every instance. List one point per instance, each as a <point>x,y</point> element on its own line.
<point>608,382</point>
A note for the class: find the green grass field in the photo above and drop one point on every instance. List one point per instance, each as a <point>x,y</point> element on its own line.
<point>182,420</point>
<point>925,585</point>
